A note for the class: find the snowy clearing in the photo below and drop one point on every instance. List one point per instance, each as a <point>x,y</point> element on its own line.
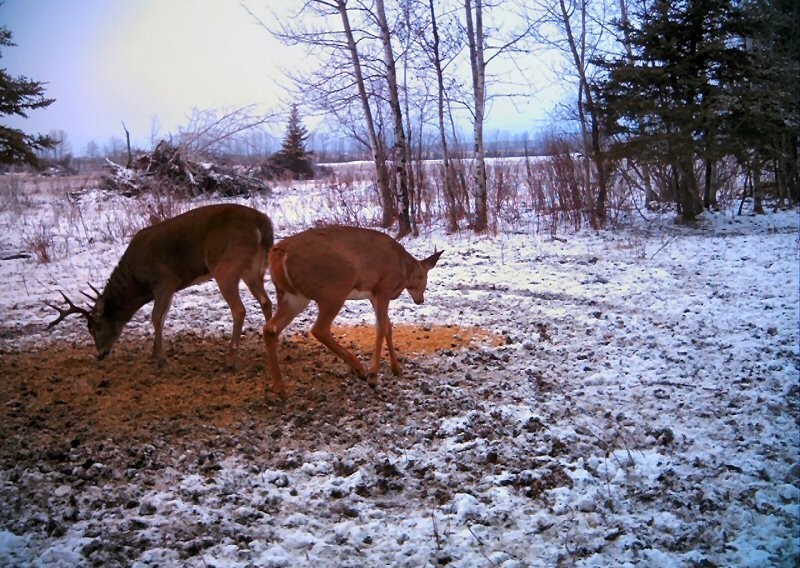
<point>639,408</point>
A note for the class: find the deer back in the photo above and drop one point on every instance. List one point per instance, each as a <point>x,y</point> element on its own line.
<point>178,253</point>
<point>340,260</point>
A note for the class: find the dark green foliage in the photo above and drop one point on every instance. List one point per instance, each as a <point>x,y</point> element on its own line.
<point>702,84</point>
<point>764,118</point>
<point>292,160</point>
<point>17,96</point>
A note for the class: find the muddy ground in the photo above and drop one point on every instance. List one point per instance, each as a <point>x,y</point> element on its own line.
<point>60,398</point>
<point>119,422</point>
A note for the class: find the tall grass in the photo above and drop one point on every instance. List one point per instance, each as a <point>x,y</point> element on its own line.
<point>552,193</point>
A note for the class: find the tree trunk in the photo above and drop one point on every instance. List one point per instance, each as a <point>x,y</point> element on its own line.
<point>758,201</point>
<point>709,194</point>
<point>449,184</point>
<point>789,181</point>
<point>387,203</point>
<point>593,146</point>
<point>400,144</point>
<point>413,171</point>
<point>688,197</point>
<point>650,196</point>
<point>478,66</point>
<point>128,144</point>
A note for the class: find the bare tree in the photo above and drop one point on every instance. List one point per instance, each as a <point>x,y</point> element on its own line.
<point>582,33</point>
<point>376,147</point>
<point>217,131</point>
<point>478,67</point>
<point>449,183</point>
<point>61,149</point>
<point>339,81</point>
<point>417,85</point>
<point>481,54</point>
<point>155,130</point>
<point>400,145</point>
<point>92,150</point>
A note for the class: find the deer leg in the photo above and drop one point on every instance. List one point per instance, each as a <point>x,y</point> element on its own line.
<point>322,332</point>
<point>161,303</point>
<point>394,365</point>
<point>255,283</point>
<point>382,329</point>
<point>288,307</point>
<point>229,287</point>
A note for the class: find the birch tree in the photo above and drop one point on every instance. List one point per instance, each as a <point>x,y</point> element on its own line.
<point>400,144</point>
<point>437,60</point>
<point>477,63</point>
<point>339,78</point>
<point>482,52</point>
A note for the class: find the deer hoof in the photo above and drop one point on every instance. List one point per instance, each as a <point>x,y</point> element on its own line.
<point>372,380</point>
<point>277,390</point>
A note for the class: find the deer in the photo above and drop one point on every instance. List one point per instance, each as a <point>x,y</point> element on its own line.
<point>226,242</point>
<point>331,265</point>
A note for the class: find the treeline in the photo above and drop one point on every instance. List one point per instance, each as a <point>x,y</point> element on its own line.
<point>671,101</point>
<point>668,95</point>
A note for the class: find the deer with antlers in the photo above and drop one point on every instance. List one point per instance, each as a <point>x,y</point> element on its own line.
<point>331,265</point>
<point>226,242</point>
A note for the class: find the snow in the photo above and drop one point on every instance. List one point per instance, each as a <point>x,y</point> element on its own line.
<point>642,410</point>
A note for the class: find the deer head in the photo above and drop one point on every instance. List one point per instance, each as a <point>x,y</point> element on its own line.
<point>103,327</point>
<point>418,277</point>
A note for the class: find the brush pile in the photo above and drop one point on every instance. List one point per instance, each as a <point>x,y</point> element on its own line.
<point>168,168</point>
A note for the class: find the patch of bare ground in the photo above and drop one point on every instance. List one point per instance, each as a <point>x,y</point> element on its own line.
<point>70,421</point>
<point>62,397</point>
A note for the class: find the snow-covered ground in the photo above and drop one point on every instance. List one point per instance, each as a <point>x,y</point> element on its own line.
<point>642,410</point>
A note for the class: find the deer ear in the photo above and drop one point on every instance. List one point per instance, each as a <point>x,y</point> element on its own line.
<point>430,262</point>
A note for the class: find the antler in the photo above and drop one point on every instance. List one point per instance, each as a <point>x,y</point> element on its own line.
<point>71,309</point>
<point>95,290</point>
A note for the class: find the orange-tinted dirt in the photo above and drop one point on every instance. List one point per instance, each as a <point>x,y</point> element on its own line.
<point>62,393</point>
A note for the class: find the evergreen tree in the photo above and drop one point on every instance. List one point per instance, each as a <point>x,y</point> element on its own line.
<point>293,156</point>
<point>764,116</point>
<point>17,96</point>
<point>667,103</point>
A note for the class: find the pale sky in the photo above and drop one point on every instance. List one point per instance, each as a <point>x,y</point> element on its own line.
<point>108,61</point>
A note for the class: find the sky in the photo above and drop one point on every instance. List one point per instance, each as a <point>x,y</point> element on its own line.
<point>148,63</point>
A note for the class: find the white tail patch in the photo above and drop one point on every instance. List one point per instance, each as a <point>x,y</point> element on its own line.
<point>286,275</point>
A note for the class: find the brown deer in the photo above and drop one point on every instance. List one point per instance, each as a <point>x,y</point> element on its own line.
<point>227,242</point>
<point>331,265</point>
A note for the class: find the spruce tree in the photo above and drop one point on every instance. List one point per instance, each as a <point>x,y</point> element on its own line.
<point>17,96</point>
<point>763,121</point>
<point>293,155</point>
<point>667,102</point>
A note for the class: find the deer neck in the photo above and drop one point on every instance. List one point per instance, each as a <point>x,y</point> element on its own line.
<point>123,295</point>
